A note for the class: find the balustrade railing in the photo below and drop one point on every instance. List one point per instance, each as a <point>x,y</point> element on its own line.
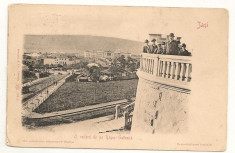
<point>178,68</point>
<point>126,112</point>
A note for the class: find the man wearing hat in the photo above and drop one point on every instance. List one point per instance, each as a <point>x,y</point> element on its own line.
<point>160,49</point>
<point>153,47</point>
<point>184,51</point>
<point>163,47</point>
<point>146,48</point>
<point>172,45</point>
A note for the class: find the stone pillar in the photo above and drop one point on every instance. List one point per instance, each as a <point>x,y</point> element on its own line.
<point>172,70</point>
<point>127,124</point>
<point>118,111</point>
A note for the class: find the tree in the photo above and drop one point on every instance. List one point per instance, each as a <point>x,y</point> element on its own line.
<point>95,73</point>
<point>131,64</point>
<point>121,64</point>
<point>28,76</point>
<point>59,65</point>
<point>46,66</point>
<point>132,67</point>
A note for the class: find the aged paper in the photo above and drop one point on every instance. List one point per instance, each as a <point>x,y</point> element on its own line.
<point>117,77</point>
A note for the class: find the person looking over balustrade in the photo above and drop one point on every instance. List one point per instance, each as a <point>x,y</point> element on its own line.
<point>146,48</point>
<point>153,47</point>
<point>179,46</point>
<point>160,49</point>
<point>184,51</point>
<point>163,48</point>
<point>172,45</point>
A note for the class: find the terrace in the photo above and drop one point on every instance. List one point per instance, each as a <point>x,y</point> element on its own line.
<point>166,69</point>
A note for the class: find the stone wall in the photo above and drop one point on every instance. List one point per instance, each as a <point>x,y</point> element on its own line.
<point>160,108</point>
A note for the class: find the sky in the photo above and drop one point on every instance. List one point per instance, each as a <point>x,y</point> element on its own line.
<point>133,23</point>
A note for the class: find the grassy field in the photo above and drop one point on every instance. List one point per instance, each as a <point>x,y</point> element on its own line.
<point>78,94</point>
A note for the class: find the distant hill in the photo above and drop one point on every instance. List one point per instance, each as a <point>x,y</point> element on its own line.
<point>73,43</point>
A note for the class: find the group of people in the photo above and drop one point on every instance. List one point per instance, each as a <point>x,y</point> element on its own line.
<point>172,47</point>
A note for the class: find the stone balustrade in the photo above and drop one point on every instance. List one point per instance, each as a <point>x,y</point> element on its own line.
<point>126,112</point>
<point>166,69</point>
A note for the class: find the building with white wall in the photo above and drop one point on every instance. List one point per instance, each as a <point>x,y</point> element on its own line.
<point>60,60</point>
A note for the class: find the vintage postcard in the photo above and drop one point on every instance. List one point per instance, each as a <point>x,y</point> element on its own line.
<point>117,77</point>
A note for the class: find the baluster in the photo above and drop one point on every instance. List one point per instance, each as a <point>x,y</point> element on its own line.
<point>145,61</point>
<point>176,70</point>
<point>181,71</point>
<point>189,72</point>
<point>152,66</point>
<point>147,65</point>
<point>163,68</point>
<point>144,64</point>
<point>141,64</point>
<point>160,68</point>
<point>155,67</point>
<point>186,72</point>
<point>167,69</point>
<point>157,63</point>
<point>172,69</point>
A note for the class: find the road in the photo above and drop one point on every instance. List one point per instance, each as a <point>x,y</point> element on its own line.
<point>35,101</point>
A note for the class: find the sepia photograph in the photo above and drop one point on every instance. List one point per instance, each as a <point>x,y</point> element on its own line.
<point>98,74</point>
<point>69,79</point>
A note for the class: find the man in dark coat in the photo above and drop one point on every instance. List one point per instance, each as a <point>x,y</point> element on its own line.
<point>153,47</point>
<point>160,49</point>
<point>184,51</point>
<point>163,48</point>
<point>146,48</point>
<point>172,46</point>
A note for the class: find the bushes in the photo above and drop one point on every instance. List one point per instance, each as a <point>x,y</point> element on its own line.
<point>71,78</point>
<point>28,76</point>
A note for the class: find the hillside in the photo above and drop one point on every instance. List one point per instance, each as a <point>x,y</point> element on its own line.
<point>73,43</point>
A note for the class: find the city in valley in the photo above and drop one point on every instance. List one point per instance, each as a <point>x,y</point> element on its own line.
<point>88,84</point>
